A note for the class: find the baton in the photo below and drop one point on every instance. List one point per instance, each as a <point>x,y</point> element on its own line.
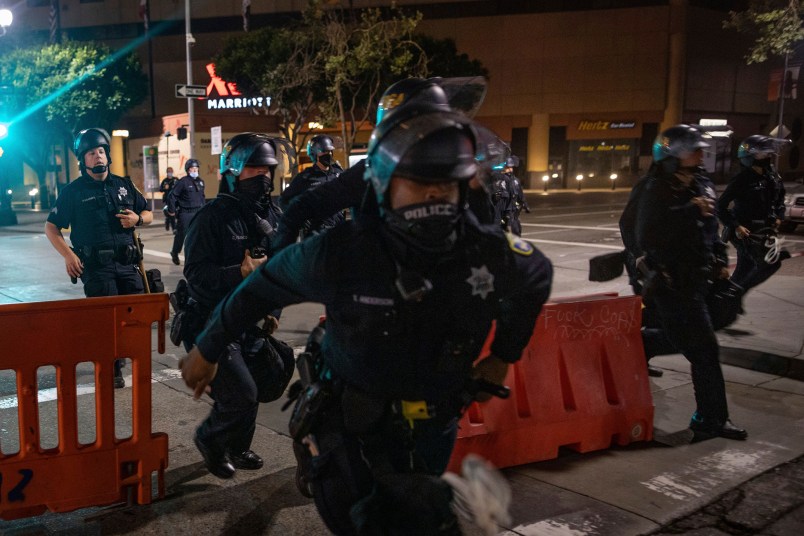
<point>141,266</point>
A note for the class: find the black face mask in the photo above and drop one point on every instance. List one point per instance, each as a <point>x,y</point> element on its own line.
<point>256,188</point>
<point>425,227</point>
<point>325,159</point>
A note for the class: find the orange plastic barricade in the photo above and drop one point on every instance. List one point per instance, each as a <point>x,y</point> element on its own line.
<point>63,334</point>
<point>581,383</point>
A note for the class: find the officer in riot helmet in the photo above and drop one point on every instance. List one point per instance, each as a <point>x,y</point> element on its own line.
<point>756,196</point>
<point>185,199</point>
<point>101,209</point>
<point>321,151</point>
<point>404,324</point>
<point>226,241</point>
<point>518,200</point>
<point>350,190</point>
<point>677,229</point>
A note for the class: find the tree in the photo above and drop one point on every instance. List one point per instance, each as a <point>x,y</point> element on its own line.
<point>285,64</point>
<point>444,60</point>
<point>365,53</point>
<point>62,88</point>
<point>776,25</point>
<point>333,64</point>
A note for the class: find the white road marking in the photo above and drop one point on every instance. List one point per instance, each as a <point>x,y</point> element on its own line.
<point>577,244</point>
<point>589,228</point>
<point>703,474</point>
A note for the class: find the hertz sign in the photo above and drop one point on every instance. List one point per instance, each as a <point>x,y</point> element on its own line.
<point>596,126</point>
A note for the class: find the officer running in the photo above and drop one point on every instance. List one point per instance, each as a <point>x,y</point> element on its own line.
<point>227,241</point>
<point>102,210</point>
<point>677,229</point>
<point>756,194</point>
<point>186,198</point>
<point>406,324</point>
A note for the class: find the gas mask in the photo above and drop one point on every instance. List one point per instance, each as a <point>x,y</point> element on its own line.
<point>325,159</point>
<point>429,227</point>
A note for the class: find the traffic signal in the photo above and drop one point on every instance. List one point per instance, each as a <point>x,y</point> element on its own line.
<point>181,133</point>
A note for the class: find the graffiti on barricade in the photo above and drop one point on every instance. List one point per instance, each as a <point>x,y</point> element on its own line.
<point>589,320</point>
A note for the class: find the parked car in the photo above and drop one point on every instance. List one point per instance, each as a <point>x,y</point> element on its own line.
<point>793,210</point>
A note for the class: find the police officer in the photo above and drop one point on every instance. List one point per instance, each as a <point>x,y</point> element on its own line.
<point>165,187</point>
<point>321,151</point>
<point>678,231</point>
<point>226,241</point>
<point>350,190</point>
<point>518,200</point>
<point>186,198</point>
<point>757,194</point>
<point>503,199</point>
<point>102,210</point>
<point>405,323</point>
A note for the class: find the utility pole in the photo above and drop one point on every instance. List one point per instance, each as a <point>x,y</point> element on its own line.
<point>189,41</point>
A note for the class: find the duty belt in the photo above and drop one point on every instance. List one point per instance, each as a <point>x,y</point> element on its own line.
<point>125,254</point>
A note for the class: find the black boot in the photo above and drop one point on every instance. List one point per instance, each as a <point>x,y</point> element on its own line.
<point>703,430</point>
<point>247,460</point>
<point>216,462</point>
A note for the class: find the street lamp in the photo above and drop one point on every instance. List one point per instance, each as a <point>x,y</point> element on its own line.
<point>6,18</point>
<point>613,178</point>
<point>32,192</point>
<point>545,180</point>
<point>579,178</point>
<point>167,148</point>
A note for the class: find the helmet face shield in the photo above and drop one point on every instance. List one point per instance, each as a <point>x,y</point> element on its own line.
<point>434,147</point>
<point>460,94</point>
<point>253,149</point>
<point>758,147</point>
<point>678,142</point>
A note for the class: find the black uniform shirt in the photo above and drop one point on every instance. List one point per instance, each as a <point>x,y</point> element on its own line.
<point>672,231</point>
<point>89,208</point>
<point>216,242</point>
<point>187,194</point>
<point>757,198</point>
<point>310,179</point>
<point>376,340</point>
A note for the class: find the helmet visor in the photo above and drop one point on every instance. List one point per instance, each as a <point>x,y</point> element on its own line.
<point>465,93</point>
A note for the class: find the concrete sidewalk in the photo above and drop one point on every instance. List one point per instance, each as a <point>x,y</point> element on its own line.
<point>665,486</point>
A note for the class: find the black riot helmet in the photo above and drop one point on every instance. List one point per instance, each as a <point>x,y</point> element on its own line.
<point>192,162</point>
<point>458,94</point>
<point>319,144</point>
<point>247,149</point>
<point>87,140</point>
<point>439,146</point>
<point>678,142</point>
<point>759,148</point>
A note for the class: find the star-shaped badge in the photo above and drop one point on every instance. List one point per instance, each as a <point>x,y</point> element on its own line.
<point>482,281</point>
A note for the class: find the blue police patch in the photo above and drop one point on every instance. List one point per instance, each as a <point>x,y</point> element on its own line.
<point>517,245</point>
